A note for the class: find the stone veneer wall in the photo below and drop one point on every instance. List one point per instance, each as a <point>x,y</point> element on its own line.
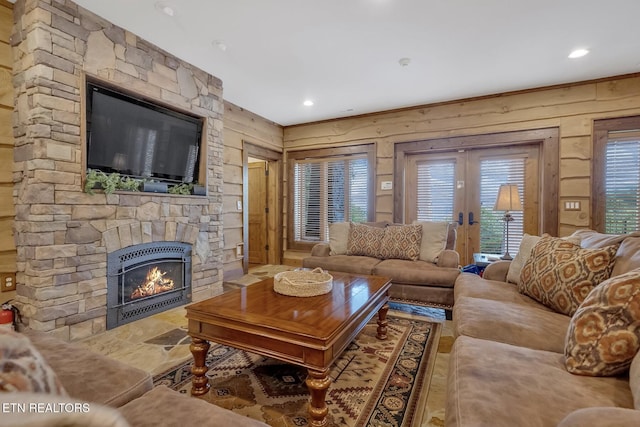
<point>63,234</point>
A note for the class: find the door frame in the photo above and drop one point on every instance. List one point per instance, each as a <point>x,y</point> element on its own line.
<point>274,201</point>
<point>547,138</point>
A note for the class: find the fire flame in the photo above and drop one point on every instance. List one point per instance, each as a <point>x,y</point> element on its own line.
<point>154,283</point>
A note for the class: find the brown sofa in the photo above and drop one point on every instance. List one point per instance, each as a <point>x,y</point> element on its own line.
<point>507,366</point>
<point>114,394</point>
<point>418,281</point>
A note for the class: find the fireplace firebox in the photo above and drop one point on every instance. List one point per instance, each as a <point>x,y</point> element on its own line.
<point>146,279</point>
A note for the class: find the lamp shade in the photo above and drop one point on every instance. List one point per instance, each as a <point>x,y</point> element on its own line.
<point>508,198</point>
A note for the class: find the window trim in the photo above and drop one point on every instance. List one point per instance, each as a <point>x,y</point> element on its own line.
<point>601,129</point>
<point>367,149</point>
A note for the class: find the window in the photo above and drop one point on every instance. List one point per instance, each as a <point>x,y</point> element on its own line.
<point>616,186</point>
<point>329,186</point>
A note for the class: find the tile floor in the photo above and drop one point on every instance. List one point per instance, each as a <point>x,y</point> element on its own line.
<point>159,342</point>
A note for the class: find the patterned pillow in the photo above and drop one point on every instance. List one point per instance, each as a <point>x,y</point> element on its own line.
<point>365,240</point>
<point>560,274</point>
<point>401,242</point>
<point>22,367</point>
<point>604,334</point>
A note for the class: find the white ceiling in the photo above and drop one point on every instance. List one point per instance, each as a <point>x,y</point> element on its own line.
<point>343,54</point>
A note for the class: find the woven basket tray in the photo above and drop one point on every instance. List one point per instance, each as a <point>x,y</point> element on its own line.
<point>303,283</point>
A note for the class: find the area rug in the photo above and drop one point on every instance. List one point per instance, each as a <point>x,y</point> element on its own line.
<point>374,382</point>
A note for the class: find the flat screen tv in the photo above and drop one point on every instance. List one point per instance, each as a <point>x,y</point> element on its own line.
<point>136,138</point>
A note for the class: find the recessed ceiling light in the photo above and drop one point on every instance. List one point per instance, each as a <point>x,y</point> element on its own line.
<point>165,8</point>
<point>578,53</point>
<point>404,62</point>
<point>220,45</point>
<point>308,103</point>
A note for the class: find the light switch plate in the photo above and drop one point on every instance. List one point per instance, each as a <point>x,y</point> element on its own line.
<point>239,205</point>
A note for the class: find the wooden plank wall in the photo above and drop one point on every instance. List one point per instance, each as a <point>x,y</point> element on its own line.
<point>571,108</point>
<point>240,125</point>
<point>7,244</point>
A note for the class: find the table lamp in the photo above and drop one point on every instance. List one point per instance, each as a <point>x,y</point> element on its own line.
<point>508,200</point>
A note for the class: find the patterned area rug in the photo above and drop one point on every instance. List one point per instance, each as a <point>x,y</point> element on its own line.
<point>374,383</point>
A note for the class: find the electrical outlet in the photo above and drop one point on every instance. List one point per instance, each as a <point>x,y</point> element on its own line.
<point>7,282</point>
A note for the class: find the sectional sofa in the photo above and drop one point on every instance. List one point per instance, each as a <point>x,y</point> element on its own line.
<point>48,382</point>
<point>424,275</point>
<point>519,360</point>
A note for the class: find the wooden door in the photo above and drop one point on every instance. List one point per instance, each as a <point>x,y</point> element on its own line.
<point>258,218</point>
<point>462,186</point>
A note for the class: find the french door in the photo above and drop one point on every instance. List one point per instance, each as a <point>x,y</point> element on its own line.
<point>463,186</point>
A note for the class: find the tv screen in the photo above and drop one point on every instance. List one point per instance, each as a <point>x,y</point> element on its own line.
<point>139,139</point>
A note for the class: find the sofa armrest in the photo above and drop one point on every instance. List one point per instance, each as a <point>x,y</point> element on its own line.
<point>47,410</point>
<point>497,271</point>
<point>449,258</point>
<point>320,249</point>
<point>601,417</point>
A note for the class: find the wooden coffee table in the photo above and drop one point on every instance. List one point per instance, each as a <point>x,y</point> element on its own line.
<point>310,332</point>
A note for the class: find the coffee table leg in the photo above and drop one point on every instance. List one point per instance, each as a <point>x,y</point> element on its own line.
<point>199,382</point>
<point>382,322</point>
<point>318,382</point>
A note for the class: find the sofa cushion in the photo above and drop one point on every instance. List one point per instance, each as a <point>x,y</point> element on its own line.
<point>601,417</point>
<point>560,274</point>
<point>339,238</point>
<point>90,376</point>
<point>57,411</point>
<point>353,264</point>
<point>627,257</point>
<point>591,239</point>
<point>416,272</point>
<point>497,384</point>
<point>364,240</point>
<point>165,407</point>
<point>516,324</point>
<point>23,368</point>
<point>472,285</point>
<point>526,245</point>
<point>434,239</point>
<point>604,333</point>
<point>401,242</point>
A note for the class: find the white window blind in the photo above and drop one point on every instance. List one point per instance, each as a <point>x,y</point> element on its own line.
<point>493,173</point>
<point>435,190</point>
<point>622,183</point>
<point>328,190</point>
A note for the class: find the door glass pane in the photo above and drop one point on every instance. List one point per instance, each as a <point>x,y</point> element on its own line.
<point>622,188</point>
<point>493,173</point>
<point>436,190</point>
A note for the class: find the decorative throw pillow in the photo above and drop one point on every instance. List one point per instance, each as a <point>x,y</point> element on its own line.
<point>22,367</point>
<point>515,268</point>
<point>560,274</point>
<point>604,333</point>
<point>434,239</point>
<point>401,242</point>
<point>526,245</point>
<point>365,240</point>
<point>338,238</point>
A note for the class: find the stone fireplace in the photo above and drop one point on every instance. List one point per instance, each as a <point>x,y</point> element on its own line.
<point>63,235</point>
